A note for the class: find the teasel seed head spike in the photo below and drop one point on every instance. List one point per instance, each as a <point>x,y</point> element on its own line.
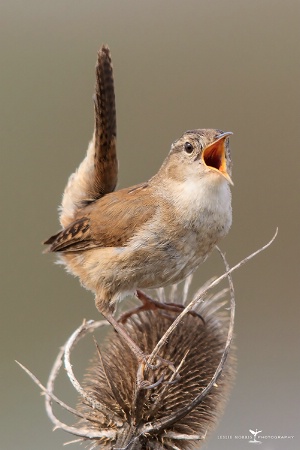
<point>195,348</point>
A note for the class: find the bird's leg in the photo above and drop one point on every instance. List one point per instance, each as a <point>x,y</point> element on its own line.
<point>140,355</point>
<point>149,304</point>
<point>125,336</point>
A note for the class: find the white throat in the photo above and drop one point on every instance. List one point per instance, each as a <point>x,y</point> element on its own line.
<point>203,199</point>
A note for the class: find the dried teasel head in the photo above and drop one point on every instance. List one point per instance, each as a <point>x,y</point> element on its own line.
<point>126,405</point>
<point>118,409</point>
<point>158,417</point>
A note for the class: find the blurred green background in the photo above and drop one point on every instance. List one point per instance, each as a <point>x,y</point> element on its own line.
<point>178,65</point>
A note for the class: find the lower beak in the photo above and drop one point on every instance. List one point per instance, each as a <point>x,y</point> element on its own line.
<point>214,156</point>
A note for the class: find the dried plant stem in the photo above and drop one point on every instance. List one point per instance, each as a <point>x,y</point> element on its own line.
<point>84,431</point>
<point>200,296</point>
<point>86,327</point>
<point>174,417</point>
<point>69,346</point>
<point>50,394</point>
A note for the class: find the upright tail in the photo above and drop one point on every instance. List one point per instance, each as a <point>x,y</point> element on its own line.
<point>98,173</point>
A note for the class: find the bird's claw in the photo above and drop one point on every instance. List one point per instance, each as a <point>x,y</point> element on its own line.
<point>149,304</point>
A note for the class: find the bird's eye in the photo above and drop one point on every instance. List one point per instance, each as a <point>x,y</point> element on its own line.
<point>188,147</point>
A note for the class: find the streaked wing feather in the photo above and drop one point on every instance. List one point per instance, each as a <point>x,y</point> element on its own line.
<point>73,238</point>
<point>110,222</point>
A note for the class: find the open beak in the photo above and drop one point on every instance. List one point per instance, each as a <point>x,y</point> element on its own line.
<point>214,157</point>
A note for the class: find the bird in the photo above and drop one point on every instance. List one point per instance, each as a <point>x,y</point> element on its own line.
<point>150,235</point>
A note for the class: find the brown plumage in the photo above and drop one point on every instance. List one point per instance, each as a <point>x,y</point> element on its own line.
<point>154,418</point>
<point>147,236</point>
<point>105,157</point>
<point>92,230</point>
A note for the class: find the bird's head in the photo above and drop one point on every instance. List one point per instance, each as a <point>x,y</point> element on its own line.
<point>198,154</point>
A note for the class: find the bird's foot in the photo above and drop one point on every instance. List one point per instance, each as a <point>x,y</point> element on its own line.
<point>149,304</point>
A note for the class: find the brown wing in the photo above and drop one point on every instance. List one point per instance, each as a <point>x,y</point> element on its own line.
<point>72,238</point>
<point>109,222</point>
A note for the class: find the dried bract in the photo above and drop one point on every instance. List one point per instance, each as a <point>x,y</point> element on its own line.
<point>113,379</point>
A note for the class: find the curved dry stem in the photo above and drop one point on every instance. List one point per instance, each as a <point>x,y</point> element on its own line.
<point>177,415</point>
<point>50,396</point>
<point>84,431</point>
<point>86,327</point>
<point>198,299</point>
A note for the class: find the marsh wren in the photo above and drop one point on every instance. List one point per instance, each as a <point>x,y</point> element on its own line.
<point>150,235</point>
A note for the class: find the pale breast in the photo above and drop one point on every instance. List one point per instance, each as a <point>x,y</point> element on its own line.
<point>201,219</point>
<point>164,251</point>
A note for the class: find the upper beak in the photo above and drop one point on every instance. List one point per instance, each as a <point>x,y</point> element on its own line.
<point>214,156</point>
